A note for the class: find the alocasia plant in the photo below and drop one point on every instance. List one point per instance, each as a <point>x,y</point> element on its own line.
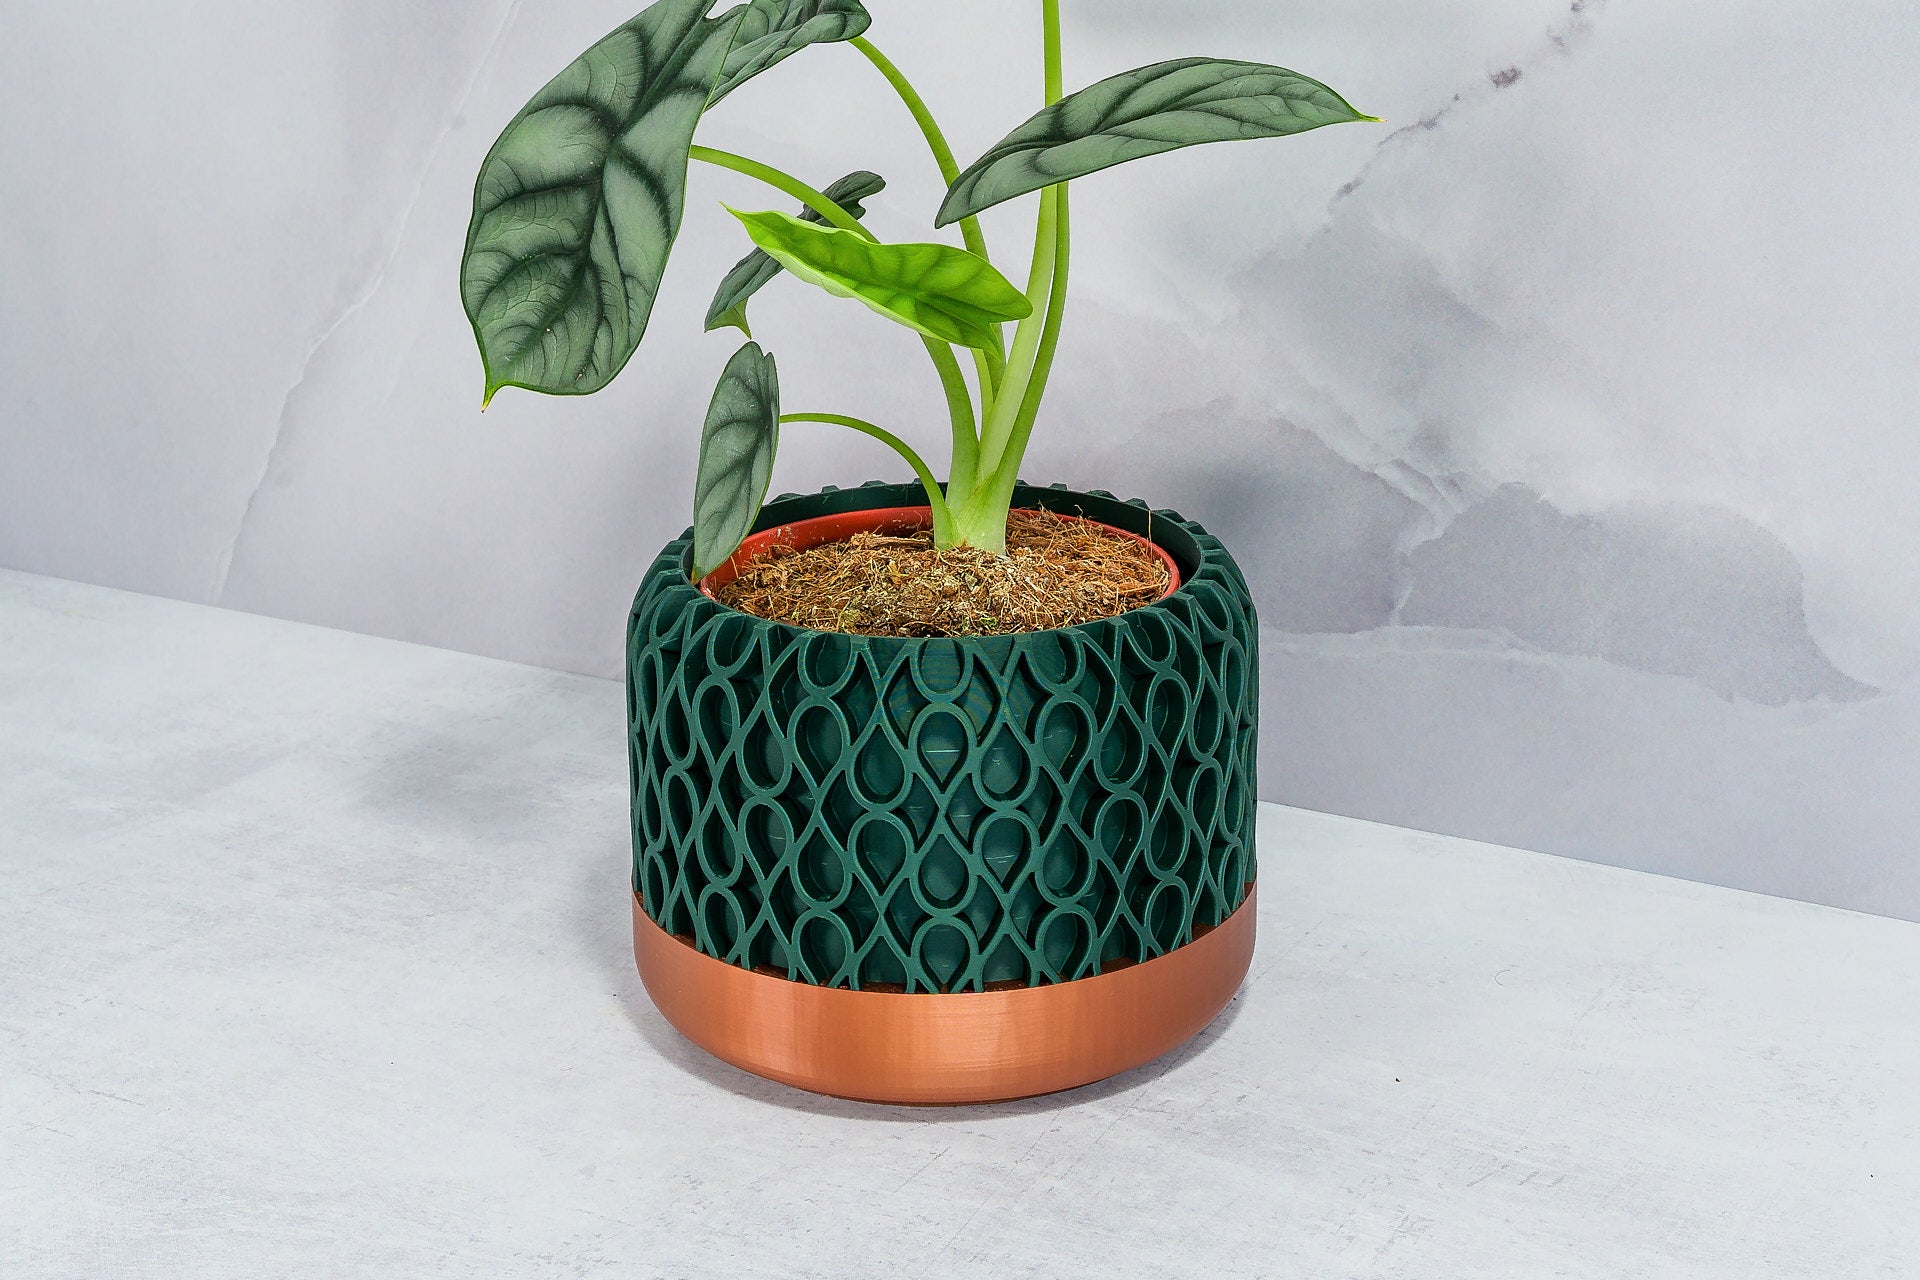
<point>578,204</point>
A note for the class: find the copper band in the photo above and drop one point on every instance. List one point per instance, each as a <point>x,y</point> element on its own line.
<point>982,1046</point>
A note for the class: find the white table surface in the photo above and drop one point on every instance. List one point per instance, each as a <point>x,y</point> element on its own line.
<point>314,961</point>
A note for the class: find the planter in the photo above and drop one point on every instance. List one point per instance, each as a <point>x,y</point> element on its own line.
<point>933,870</point>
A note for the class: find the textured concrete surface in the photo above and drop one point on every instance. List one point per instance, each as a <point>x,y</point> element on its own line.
<point>314,962</point>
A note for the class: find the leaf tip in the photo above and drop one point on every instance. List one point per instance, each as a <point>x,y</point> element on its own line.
<point>710,563</point>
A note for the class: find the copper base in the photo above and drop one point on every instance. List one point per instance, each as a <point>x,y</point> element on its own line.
<point>988,1046</point>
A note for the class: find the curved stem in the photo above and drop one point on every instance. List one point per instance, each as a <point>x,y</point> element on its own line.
<point>1007,469</point>
<point>1049,241</point>
<point>989,365</point>
<point>966,441</point>
<point>942,520</point>
<point>783,181</point>
<point>964,472</point>
<point>1026,342</point>
<point>930,129</point>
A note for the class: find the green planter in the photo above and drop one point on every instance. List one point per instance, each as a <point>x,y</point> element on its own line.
<point>937,816</point>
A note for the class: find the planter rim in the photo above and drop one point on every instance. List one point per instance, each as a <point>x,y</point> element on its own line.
<point>817,531</point>
<point>1196,555</point>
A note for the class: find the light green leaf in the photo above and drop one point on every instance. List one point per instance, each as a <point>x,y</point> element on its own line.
<point>729,305</point>
<point>736,457</point>
<point>1142,113</point>
<point>770,30</point>
<point>941,291</point>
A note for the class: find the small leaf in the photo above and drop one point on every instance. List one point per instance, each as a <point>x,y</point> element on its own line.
<point>736,457</point>
<point>729,305</point>
<point>941,291</point>
<point>1142,113</point>
<point>770,30</point>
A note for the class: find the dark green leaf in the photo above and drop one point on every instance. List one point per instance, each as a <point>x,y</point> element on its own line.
<point>751,272</point>
<point>772,29</point>
<point>736,457</point>
<point>941,291</point>
<point>1142,113</point>
<point>578,203</point>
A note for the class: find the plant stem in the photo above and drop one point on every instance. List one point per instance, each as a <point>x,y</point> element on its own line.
<point>942,519</point>
<point>1003,437</point>
<point>930,128</point>
<point>966,441</point>
<point>1006,470</point>
<point>1050,48</point>
<point>814,200</point>
<point>1026,341</point>
<point>991,364</point>
<point>964,472</point>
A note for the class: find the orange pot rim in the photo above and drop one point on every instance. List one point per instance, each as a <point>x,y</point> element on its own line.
<point>816,530</point>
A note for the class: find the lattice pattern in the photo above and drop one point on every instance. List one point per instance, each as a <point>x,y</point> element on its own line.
<point>939,815</point>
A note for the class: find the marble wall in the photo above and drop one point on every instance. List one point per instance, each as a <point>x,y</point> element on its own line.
<point>1562,422</point>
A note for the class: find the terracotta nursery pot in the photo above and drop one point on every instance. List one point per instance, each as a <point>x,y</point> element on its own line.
<point>943,870</point>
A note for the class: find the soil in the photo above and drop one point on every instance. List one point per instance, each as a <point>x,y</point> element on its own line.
<point>1057,572</point>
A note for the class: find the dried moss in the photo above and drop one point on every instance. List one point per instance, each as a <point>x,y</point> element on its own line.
<point>1057,572</point>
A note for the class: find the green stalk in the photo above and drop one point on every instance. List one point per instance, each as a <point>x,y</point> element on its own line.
<point>930,129</point>
<point>989,364</point>
<point>980,514</point>
<point>966,441</point>
<point>814,200</point>
<point>1026,341</point>
<point>1050,49</point>
<point>942,518</point>
<point>1007,471</point>
<point>965,470</point>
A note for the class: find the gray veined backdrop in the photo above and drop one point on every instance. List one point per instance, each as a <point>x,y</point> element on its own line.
<point>1563,423</point>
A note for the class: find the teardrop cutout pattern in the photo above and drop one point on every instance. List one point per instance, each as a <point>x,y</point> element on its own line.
<point>936,815</point>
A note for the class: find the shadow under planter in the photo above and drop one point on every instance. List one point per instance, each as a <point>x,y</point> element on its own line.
<point>945,870</point>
